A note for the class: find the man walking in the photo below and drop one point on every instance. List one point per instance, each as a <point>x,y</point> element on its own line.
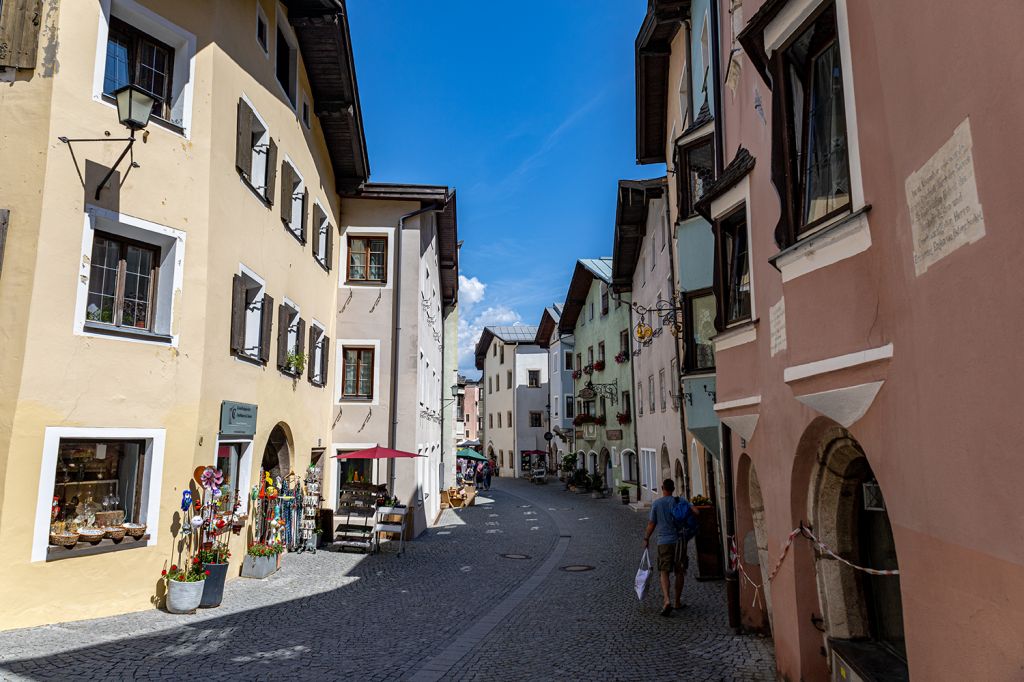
<point>671,555</point>
<point>487,475</point>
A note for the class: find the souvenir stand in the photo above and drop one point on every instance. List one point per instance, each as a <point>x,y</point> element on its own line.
<point>310,511</point>
<point>357,505</point>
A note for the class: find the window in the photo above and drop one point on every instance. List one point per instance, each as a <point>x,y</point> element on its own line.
<point>255,152</point>
<point>604,299</point>
<point>291,338</point>
<point>497,383</point>
<point>643,271</point>
<point>294,199</point>
<point>286,61</point>
<point>590,356</point>
<point>623,341</point>
<point>319,347</point>
<point>591,311</point>
<point>488,384</point>
<point>490,421</point>
<point>650,393</point>
<point>323,238</point>
<point>367,259</point>
<point>494,350</point>
<point>600,351</point>
<point>815,129</point>
<point>508,379</point>
<point>705,54</point>
<point>734,267</point>
<point>534,378</point>
<point>122,282</point>
<point>137,58</point>
<point>499,420</point>
<point>502,350</point>
<point>535,420</point>
<point>579,361</point>
<point>509,416</point>
<point>700,313</point>
<point>570,411</point>
<point>99,483</point>
<point>654,255</point>
<point>626,408</point>
<point>661,389</point>
<point>568,361</point>
<point>604,407</point>
<point>357,373</point>
<point>261,30</point>
<point>305,112</point>
<point>640,397</point>
<point>229,459</point>
<point>696,166</point>
<point>252,314</point>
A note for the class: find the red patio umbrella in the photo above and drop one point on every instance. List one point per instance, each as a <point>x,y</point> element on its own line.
<point>376,453</point>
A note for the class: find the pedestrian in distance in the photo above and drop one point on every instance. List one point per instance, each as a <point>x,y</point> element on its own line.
<point>671,542</point>
<point>479,475</point>
<point>487,475</point>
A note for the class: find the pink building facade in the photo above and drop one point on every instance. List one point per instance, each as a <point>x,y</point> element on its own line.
<point>867,368</point>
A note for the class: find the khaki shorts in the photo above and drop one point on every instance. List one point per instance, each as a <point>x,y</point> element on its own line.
<point>673,557</point>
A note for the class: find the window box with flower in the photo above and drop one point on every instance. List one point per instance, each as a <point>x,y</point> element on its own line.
<point>588,370</point>
<point>623,418</point>
<point>261,560</point>
<point>598,365</point>
<point>622,358</point>
<point>577,374</point>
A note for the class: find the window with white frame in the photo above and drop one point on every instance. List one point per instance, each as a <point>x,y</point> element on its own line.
<point>294,200</point>
<point>255,152</point>
<point>130,269</point>
<point>323,238</point>
<point>661,389</point>
<point>319,345</point>
<point>569,411</point>
<point>640,398</point>
<point>252,312</point>
<point>650,393</point>
<point>286,59</point>
<point>291,333</point>
<point>137,46</point>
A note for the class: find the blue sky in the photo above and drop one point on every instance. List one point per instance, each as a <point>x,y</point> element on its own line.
<point>527,109</point>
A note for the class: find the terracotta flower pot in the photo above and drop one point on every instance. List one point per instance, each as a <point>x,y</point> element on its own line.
<point>184,597</point>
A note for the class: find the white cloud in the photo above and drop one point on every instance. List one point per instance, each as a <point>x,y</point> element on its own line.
<point>471,291</point>
<point>472,326</point>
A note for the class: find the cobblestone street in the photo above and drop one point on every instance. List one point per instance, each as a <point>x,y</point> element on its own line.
<point>451,608</point>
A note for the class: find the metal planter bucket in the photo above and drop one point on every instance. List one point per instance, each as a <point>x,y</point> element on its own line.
<point>213,586</point>
<point>258,566</point>
<point>184,597</point>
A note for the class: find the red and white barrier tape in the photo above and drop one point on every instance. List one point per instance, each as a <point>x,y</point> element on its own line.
<point>821,546</point>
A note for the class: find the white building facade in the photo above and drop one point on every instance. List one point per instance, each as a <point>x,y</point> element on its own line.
<point>561,391</point>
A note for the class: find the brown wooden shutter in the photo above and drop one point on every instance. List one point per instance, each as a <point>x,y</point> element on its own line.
<point>243,141</point>
<point>312,354</point>
<point>282,337</point>
<point>266,327</point>
<point>300,338</point>
<point>268,192</point>
<point>302,218</point>
<point>329,246</point>
<point>19,32</point>
<point>325,359</point>
<point>5,217</point>
<point>286,192</point>
<point>237,314</point>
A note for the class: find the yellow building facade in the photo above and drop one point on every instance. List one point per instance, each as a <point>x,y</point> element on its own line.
<point>154,326</point>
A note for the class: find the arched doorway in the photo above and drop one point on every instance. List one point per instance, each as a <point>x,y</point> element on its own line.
<point>630,467</point>
<point>849,515</point>
<point>581,460</point>
<point>606,467</point>
<point>593,462</point>
<point>277,458</point>
<point>760,536</point>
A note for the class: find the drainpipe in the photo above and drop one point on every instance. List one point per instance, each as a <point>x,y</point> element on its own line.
<point>637,397</point>
<point>396,335</point>
<point>732,581</point>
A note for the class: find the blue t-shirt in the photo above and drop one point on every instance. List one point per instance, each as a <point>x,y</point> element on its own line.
<point>665,525</point>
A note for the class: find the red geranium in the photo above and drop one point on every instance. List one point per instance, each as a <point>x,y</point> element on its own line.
<point>174,567</point>
<point>164,572</point>
<point>195,560</point>
<point>207,572</point>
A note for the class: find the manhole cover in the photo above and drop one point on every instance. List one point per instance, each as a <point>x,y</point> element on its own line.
<point>516,556</point>
<point>577,568</point>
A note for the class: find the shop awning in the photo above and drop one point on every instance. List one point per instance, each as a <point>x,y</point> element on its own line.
<point>466,453</point>
<point>376,453</point>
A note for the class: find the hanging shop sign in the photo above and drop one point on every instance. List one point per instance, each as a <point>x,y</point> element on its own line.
<point>237,419</point>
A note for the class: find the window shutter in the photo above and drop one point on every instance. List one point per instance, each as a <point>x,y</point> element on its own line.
<point>266,327</point>
<point>19,32</point>
<point>243,142</point>
<point>302,218</point>
<point>300,337</point>
<point>5,217</point>
<point>268,192</point>
<point>286,192</point>
<point>237,314</point>
<point>325,360</point>
<point>310,373</point>
<point>282,337</point>
<point>329,246</point>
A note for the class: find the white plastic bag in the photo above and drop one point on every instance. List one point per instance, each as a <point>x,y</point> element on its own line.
<point>642,575</point>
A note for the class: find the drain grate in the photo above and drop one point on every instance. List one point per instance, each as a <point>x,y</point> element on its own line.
<point>577,568</point>
<point>516,556</point>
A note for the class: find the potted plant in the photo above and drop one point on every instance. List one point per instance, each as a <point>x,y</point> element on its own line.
<point>588,369</point>
<point>623,418</point>
<point>708,539</point>
<point>261,560</point>
<point>581,479</point>
<point>598,365</point>
<point>215,564</point>
<point>597,486</point>
<point>576,374</point>
<point>624,493</point>
<point>296,363</point>
<point>622,357</point>
<point>184,586</point>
